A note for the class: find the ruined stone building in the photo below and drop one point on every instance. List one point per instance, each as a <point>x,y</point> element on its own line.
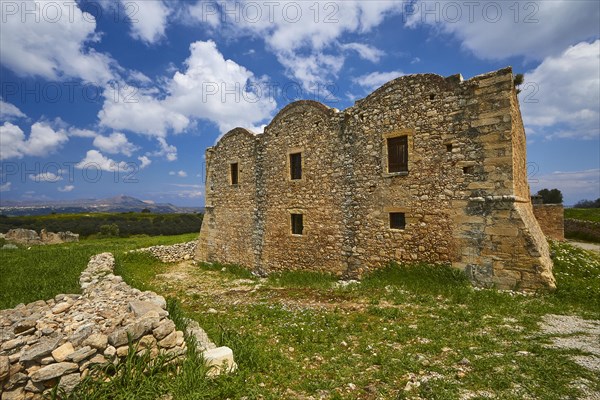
<point>424,169</point>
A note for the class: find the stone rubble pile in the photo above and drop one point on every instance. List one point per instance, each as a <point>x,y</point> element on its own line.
<point>173,253</point>
<point>55,342</point>
<point>28,237</point>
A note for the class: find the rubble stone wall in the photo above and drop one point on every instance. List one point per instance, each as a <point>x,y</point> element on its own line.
<point>29,237</point>
<point>55,342</point>
<point>465,196</point>
<point>551,218</point>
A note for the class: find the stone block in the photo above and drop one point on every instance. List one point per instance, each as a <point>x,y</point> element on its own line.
<point>60,353</point>
<point>220,360</point>
<point>54,371</point>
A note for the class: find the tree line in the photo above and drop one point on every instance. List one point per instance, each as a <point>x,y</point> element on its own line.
<point>107,224</point>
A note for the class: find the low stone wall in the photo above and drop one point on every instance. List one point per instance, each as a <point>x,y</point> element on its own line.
<point>28,237</point>
<point>582,230</point>
<point>172,253</point>
<point>55,342</point>
<point>551,218</point>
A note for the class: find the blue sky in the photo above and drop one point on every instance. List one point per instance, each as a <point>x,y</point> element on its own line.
<point>108,97</point>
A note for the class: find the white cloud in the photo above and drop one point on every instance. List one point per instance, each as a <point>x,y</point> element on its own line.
<point>365,51</point>
<point>45,177</point>
<point>148,19</point>
<point>12,141</point>
<point>304,36</point>
<point>66,188</point>
<point>54,44</point>
<point>500,29</point>
<point>84,133</point>
<point>181,173</point>
<point>144,161</point>
<point>376,79</point>
<point>137,110</point>
<point>190,194</point>
<point>115,143</point>
<point>43,140</point>
<point>561,97</point>
<point>210,88</point>
<point>5,187</point>
<point>95,159</point>
<point>166,150</point>
<point>10,111</point>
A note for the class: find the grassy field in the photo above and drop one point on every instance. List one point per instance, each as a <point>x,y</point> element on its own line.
<point>584,214</point>
<point>41,272</point>
<point>405,332</point>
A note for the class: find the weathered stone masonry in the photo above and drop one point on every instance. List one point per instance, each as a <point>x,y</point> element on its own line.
<point>465,196</point>
<point>551,218</point>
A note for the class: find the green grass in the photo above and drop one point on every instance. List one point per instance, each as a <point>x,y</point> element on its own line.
<point>302,279</point>
<point>230,270</point>
<point>41,272</point>
<point>297,335</point>
<point>300,335</point>
<point>584,214</point>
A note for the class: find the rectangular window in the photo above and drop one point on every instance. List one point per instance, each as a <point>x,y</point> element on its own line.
<point>397,220</point>
<point>234,174</point>
<point>397,148</point>
<point>296,166</point>
<point>297,225</point>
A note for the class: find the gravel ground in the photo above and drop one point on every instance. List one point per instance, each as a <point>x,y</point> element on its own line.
<point>572,332</point>
<point>585,245</point>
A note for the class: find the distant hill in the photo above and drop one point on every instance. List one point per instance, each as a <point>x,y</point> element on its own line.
<point>120,203</point>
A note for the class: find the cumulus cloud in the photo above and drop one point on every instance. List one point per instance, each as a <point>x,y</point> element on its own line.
<point>138,110</point>
<point>304,36</point>
<point>52,42</point>
<point>95,159</point>
<point>497,30</point>
<point>9,111</point>
<point>45,177</point>
<point>66,188</point>
<point>166,150</point>
<point>365,51</point>
<point>561,97</point>
<point>181,173</point>
<point>43,140</point>
<point>210,88</point>
<point>148,19</point>
<point>144,161</point>
<point>115,143</point>
<point>376,79</point>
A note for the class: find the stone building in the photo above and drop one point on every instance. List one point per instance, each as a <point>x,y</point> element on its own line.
<point>424,169</point>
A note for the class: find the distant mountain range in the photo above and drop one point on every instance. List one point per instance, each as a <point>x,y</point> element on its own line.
<point>114,204</point>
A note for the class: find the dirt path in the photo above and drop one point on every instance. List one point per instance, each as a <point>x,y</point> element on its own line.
<point>585,245</point>
<point>575,333</point>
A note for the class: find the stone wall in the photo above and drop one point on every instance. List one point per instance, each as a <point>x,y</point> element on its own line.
<point>551,218</point>
<point>582,230</point>
<point>172,253</point>
<point>465,196</point>
<point>29,237</point>
<point>55,342</point>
